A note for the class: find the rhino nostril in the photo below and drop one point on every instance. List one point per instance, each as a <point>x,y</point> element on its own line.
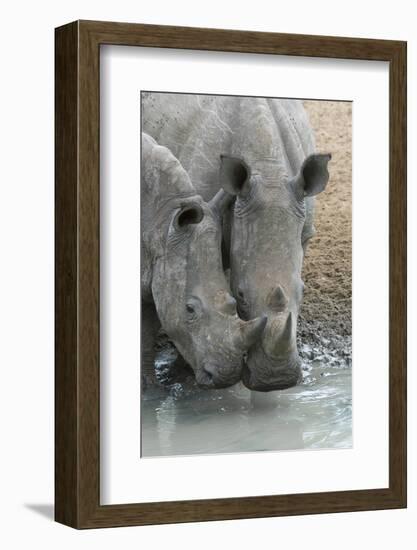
<point>209,375</point>
<point>214,375</point>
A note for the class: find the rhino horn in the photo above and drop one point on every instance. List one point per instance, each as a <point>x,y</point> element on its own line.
<point>251,331</point>
<point>284,341</point>
<point>277,300</point>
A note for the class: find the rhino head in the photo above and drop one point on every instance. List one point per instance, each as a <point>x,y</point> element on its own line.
<point>187,283</point>
<point>266,255</point>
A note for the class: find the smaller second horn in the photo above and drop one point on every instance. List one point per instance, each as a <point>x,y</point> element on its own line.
<point>277,300</point>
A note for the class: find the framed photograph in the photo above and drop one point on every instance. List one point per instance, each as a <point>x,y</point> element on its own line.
<point>230,274</point>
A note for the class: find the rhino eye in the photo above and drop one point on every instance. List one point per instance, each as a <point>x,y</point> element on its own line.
<point>193,309</point>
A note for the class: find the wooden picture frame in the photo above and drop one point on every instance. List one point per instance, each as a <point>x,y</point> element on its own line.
<point>77,374</point>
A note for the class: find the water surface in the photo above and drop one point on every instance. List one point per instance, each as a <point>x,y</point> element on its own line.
<point>185,420</point>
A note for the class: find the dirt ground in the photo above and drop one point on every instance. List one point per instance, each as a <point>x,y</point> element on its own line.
<point>327,271</point>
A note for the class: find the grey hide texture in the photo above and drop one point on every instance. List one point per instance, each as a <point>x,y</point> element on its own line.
<point>262,152</point>
<point>182,275</point>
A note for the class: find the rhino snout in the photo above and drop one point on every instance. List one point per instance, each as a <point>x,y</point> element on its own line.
<point>263,373</point>
<point>212,375</point>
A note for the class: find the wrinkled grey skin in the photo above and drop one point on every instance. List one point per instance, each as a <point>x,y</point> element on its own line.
<point>261,151</point>
<point>183,275</point>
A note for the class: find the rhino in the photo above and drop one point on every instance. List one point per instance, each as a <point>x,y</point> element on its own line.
<point>262,152</point>
<point>182,276</point>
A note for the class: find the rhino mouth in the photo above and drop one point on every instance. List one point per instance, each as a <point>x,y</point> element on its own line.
<point>264,373</point>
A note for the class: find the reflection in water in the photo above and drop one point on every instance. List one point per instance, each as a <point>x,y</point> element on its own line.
<point>185,420</point>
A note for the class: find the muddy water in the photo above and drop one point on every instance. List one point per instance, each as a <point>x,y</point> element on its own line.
<point>183,420</point>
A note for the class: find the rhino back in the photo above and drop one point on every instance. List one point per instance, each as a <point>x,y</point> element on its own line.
<point>196,129</point>
<point>164,184</point>
<point>200,128</point>
<point>294,129</point>
<point>298,137</point>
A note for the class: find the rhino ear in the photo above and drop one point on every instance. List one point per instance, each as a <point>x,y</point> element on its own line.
<point>313,176</point>
<point>234,175</point>
<point>188,215</point>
